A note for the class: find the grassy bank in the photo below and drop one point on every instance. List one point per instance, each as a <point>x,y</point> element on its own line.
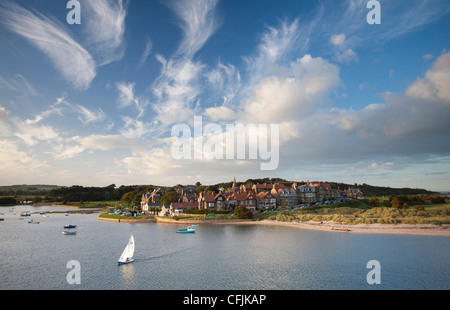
<point>358,212</point>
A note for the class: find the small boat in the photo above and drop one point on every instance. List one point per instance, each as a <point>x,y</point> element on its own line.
<point>67,214</point>
<point>188,230</point>
<point>1,219</point>
<point>33,222</point>
<point>25,213</point>
<point>127,254</point>
<point>65,232</point>
<point>70,226</point>
<point>195,225</point>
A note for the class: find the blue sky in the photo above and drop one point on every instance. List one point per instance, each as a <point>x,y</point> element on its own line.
<point>94,103</point>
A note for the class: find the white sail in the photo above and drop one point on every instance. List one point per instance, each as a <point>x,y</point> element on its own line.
<point>128,252</point>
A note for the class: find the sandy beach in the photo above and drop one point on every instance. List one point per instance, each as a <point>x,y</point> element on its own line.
<point>407,229</point>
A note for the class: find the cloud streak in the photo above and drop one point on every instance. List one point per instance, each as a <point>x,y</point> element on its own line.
<point>70,58</point>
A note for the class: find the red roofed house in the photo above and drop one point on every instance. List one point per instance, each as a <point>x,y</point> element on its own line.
<point>181,207</point>
<point>245,199</point>
<point>266,200</point>
<point>212,201</point>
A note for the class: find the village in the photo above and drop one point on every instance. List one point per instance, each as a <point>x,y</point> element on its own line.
<point>254,197</point>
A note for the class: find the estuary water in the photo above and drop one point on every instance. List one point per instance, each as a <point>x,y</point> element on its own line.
<point>216,257</point>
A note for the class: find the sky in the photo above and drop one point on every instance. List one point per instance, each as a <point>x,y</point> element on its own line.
<point>94,103</point>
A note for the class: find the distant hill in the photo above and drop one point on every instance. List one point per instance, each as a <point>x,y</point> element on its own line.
<point>24,189</point>
<point>371,190</point>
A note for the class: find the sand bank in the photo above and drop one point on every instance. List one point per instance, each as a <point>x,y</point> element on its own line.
<point>408,229</point>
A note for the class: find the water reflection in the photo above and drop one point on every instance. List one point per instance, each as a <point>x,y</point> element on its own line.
<point>128,275</point>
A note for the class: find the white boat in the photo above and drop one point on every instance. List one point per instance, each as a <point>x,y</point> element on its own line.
<point>188,230</point>
<point>127,254</point>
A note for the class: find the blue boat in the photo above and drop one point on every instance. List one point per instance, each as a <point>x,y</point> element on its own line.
<point>70,226</point>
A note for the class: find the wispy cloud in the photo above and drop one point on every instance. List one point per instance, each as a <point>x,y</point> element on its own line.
<point>90,115</point>
<point>178,85</point>
<point>51,37</point>
<point>104,25</point>
<point>147,51</point>
<point>198,21</point>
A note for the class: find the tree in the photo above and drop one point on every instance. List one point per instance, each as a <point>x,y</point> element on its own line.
<point>242,212</point>
<point>169,197</point>
<point>396,203</point>
<point>374,202</point>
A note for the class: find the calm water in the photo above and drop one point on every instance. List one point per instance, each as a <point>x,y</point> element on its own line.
<point>219,257</point>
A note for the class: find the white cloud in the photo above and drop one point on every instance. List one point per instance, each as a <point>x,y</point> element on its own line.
<point>89,115</point>
<point>435,84</point>
<point>32,134</point>
<point>220,113</point>
<point>104,25</point>
<point>198,22</point>
<point>346,56</point>
<point>147,51</point>
<point>69,57</point>
<point>338,39</point>
<point>293,94</point>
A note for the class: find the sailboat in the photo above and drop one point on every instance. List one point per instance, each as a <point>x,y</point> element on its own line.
<point>127,254</point>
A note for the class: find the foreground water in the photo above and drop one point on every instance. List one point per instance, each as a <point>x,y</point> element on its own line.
<point>229,257</point>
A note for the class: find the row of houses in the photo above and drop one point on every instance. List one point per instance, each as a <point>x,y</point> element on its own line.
<point>252,196</point>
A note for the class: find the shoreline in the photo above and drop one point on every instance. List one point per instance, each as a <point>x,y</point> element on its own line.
<point>398,229</point>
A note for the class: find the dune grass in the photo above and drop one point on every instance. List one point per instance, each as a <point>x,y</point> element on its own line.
<point>358,212</point>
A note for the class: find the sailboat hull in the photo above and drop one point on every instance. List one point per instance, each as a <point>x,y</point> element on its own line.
<point>126,262</point>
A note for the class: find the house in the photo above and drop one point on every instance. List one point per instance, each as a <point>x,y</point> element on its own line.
<point>286,196</point>
<point>266,200</point>
<point>307,193</point>
<point>151,197</point>
<point>354,193</point>
<point>151,206</point>
<point>181,207</point>
<point>258,188</point>
<point>245,199</point>
<point>212,201</point>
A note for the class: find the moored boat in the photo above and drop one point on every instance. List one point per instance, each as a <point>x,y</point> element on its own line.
<point>70,226</point>
<point>188,230</point>
<point>65,232</point>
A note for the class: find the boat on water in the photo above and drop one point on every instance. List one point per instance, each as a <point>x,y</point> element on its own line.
<point>188,230</point>
<point>127,254</point>
<point>1,219</point>
<point>72,232</point>
<point>33,222</point>
<point>25,213</point>
<point>70,226</point>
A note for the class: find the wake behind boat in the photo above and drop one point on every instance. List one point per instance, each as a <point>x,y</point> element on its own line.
<point>188,230</point>
<point>127,254</point>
